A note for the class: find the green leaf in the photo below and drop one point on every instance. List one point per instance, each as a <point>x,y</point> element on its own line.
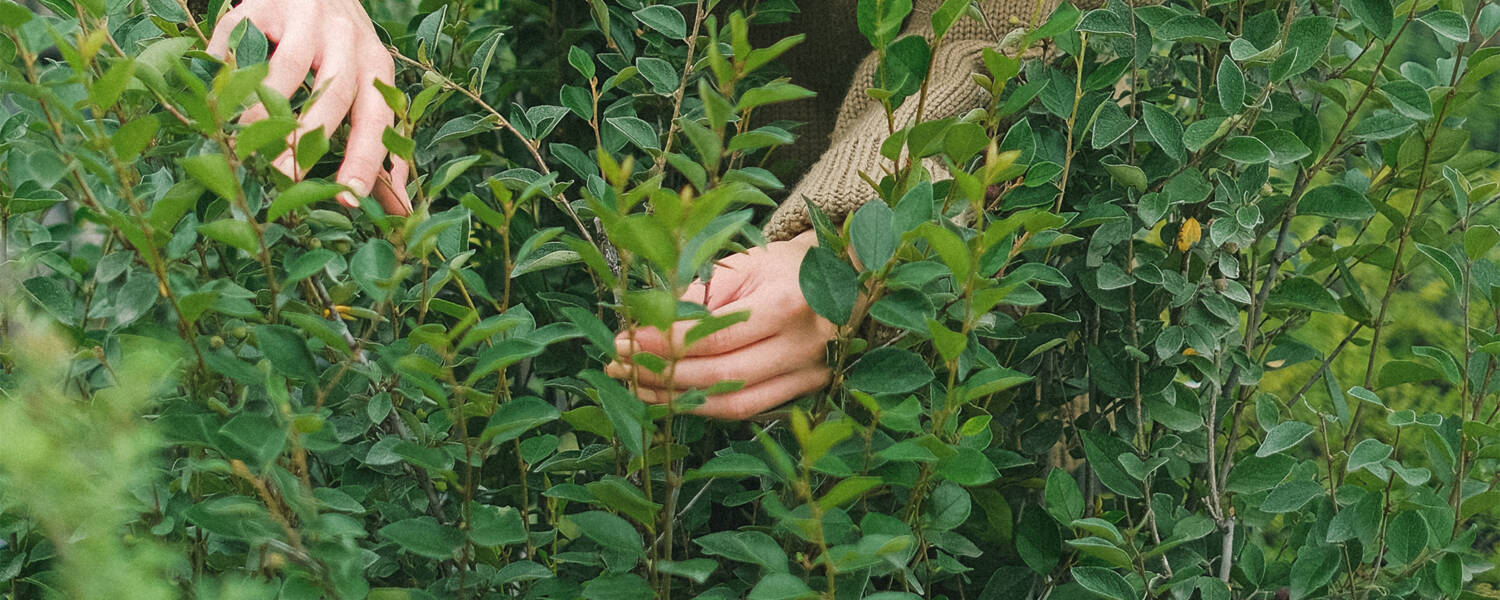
<point>1307,41</point>
<point>733,466</point>
<point>617,494</point>
<point>1399,372</point>
<point>1037,540</point>
<point>665,19</point>
<point>299,195</point>
<point>948,14</point>
<point>1406,537</point>
<point>1192,28</point>
<point>50,294</point>
<point>752,547</point>
<point>1450,574</point>
<point>872,229</point>
<point>1104,583</point>
<point>1336,201</point>
<point>1291,496</point>
<point>450,171</point>
<point>696,569</point>
<point>1447,24</point>
<point>618,586</point>
<point>881,20</point>
<point>889,370</point>
<point>1102,21</point>
<point>424,536</point>
<point>1245,149</point>
<point>1286,147</point>
<point>238,234</point>
<point>905,66</point>
<point>968,467</point>
<point>639,132</point>
<point>1282,437</point>
<point>1367,452</point>
<point>1407,99</point>
<point>13,15</point>
<point>829,285</point>
<point>1382,125</point>
<point>1257,474</point>
<point>1360,521</point>
<point>1479,239</point>
<point>461,127</point>
<point>1101,549</point>
<point>772,93</point>
<point>1103,452</point>
<point>1064,500</point>
<point>781,586</point>
<point>133,137</point>
<point>372,267</point>
<point>1111,125</point>
<point>517,417</point>
<point>213,171</point>
<point>848,490</point>
<point>495,525</point>
<point>1314,568</point>
<point>1445,361</point>
<point>287,350</point>
<point>1231,86</point>
<point>625,411</point>
<point>1447,266</point>
<point>610,531</point>
<point>259,438</point>
<point>1365,395</point>
<point>268,134</point>
<point>582,61</point>
<point>1165,130</point>
<point>1303,293</point>
<point>1376,15</point>
<point>662,75</point>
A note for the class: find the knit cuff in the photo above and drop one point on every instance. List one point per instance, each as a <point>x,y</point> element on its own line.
<point>834,183</point>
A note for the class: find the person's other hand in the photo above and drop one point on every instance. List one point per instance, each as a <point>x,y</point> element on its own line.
<point>779,352</point>
<point>336,40</point>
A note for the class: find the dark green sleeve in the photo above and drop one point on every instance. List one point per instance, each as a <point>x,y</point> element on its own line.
<point>824,62</point>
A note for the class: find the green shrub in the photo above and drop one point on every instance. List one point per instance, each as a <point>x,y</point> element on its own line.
<point>1207,306</point>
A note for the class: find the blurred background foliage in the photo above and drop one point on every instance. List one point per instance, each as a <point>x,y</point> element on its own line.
<point>1090,361</point>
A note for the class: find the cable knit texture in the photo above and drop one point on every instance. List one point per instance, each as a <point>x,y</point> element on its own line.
<point>833,183</point>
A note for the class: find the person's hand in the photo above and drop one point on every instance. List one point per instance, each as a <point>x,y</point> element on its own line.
<point>336,40</point>
<point>779,352</point>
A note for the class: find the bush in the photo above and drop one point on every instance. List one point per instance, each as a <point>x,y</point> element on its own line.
<point>1205,305</point>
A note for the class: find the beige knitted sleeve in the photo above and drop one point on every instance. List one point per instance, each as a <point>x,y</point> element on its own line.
<point>834,183</point>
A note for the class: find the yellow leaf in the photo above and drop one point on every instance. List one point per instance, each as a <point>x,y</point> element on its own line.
<point>1190,233</point>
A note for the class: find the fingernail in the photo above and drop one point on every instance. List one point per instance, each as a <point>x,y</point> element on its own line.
<point>348,199</point>
<point>359,186</point>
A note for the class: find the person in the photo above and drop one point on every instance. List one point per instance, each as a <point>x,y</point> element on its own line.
<point>336,40</point>
<point>779,351</point>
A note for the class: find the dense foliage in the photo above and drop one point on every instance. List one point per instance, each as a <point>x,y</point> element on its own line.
<point>1203,306</point>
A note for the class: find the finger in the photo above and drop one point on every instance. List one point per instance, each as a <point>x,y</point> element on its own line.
<point>751,400</point>
<point>723,296</point>
<point>764,321</point>
<point>288,69</point>
<point>333,93</point>
<point>366,152</point>
<point>269,22</point>
<point>753,364</point>
<point>287,162</point>
<point>390,188</point>
<point>650,339</point>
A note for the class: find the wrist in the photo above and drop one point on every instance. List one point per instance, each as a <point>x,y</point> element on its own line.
<point>806,239</point>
